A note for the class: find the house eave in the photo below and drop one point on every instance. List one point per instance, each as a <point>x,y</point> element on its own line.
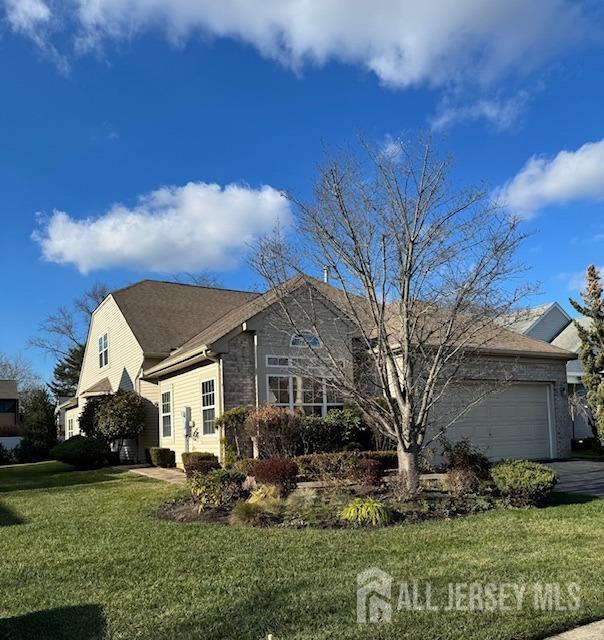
<point>189,359</point>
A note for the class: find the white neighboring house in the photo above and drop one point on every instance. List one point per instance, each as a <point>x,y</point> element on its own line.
<point>551,323</point>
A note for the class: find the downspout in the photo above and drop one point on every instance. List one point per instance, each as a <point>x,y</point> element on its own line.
<point>221,438</point>
<point>255,451</point>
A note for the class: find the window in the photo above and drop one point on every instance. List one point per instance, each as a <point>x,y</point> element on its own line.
<point>70,428</point>
<point>277,361</point>
<point>166,414</point>
<point>8,406</point>
<point>103,351</point>
<point>313,396</point>
<point>305,339</point>
<point>208,408</point>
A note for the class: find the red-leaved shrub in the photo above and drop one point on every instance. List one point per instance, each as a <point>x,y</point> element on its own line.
<point>281,472</point>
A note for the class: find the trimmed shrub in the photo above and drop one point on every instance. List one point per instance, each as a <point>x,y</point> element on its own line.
<point>367,472</point>
<point>6,455</point>
<point>247,466</point>
<point>81,452</point>
<point>463,455</point>
<point>366,512</point>
<point>524,483</point>
<point>161,457</point>
<point>462,482</point>
<point>281,472</point>
<point>337,466</point>
<point>199,462</point>
<point>218,488</point>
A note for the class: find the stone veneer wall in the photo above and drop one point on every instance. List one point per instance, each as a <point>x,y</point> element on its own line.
<point>239,373</point>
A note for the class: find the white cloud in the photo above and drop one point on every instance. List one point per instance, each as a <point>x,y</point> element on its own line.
<point>26,16</point>
<point>569,176</point>
<point>193,227</point>
<point>403,42</point>
<point>34,20</point>
<point>502,114</point>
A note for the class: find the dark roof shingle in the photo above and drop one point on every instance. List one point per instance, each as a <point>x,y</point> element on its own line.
<point>164,315</point>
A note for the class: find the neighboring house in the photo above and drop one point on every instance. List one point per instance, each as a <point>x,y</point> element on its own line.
<point>10,432</point>
<point>549,322</point>
<point>195,352</point>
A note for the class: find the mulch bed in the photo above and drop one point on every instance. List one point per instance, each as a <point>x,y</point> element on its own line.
<point>185,510</point>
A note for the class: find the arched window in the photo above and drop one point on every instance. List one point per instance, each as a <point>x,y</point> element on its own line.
<point>305,339</point>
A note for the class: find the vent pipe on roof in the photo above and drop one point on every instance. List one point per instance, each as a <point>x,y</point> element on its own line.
<point>326,274</point>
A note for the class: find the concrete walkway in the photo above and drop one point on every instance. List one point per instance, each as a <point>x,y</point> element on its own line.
<point>594,631</point>
<point>174,476</point>
<point>585,477</point>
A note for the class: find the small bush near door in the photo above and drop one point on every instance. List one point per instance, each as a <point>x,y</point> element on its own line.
<point>199,462</point>
<point>524,483</point>
<point>161,457</point>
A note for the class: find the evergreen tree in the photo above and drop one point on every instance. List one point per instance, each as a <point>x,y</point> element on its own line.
<point>39,427</point>
<point>67,372</point>
<point>591,355</point>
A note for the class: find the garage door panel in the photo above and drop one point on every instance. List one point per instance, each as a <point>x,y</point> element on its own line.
<point>513,423</point>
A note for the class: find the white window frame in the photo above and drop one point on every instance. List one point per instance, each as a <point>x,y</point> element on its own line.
<point>103,349</point>
<point>292,404</point>
<point>69,428</point>
<point>206,407</point>
<point>163,414</point>
<point>305,333</point>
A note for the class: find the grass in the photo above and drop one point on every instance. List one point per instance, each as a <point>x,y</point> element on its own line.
<point>82,557</point>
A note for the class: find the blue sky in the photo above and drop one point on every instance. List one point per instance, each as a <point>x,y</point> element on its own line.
<point>126,102</point>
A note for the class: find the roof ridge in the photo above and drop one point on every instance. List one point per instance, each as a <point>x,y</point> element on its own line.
<point>181,284</point>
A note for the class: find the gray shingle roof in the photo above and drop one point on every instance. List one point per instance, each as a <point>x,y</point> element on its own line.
<point>496,340</point>
<point>102,386</point>
<point>164,315</point>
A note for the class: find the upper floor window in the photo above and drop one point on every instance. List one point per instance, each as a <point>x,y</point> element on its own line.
<point>208,408</point>
<point>305,339</point>
<point>166,414</point>
<point>103,351</point>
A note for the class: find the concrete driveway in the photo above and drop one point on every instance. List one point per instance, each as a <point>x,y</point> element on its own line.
<point>584,477</point>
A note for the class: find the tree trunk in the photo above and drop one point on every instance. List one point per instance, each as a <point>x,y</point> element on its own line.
<point>408,464</point>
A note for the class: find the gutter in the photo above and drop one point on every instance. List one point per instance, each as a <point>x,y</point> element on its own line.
<point>186,360</point>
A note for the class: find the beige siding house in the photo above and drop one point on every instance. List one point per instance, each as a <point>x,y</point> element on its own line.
<point>133,329</point>
<point>195,352</point>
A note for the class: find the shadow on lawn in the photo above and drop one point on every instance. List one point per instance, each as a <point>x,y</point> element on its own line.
<point>84,622</point>
<point>8,517</point>
<point>560,499</point>
<point>50,474</point>
<point>266,611</point>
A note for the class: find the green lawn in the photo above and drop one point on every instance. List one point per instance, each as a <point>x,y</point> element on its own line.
<point>83,558</point>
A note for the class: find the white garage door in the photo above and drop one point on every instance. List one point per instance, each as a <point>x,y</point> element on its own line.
<point>513,423</point>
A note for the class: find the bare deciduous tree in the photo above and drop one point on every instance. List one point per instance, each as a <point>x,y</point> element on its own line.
<point>21,371</point>
<point>198,278</point>
<point>422,274</point>
<point>65,329</point>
